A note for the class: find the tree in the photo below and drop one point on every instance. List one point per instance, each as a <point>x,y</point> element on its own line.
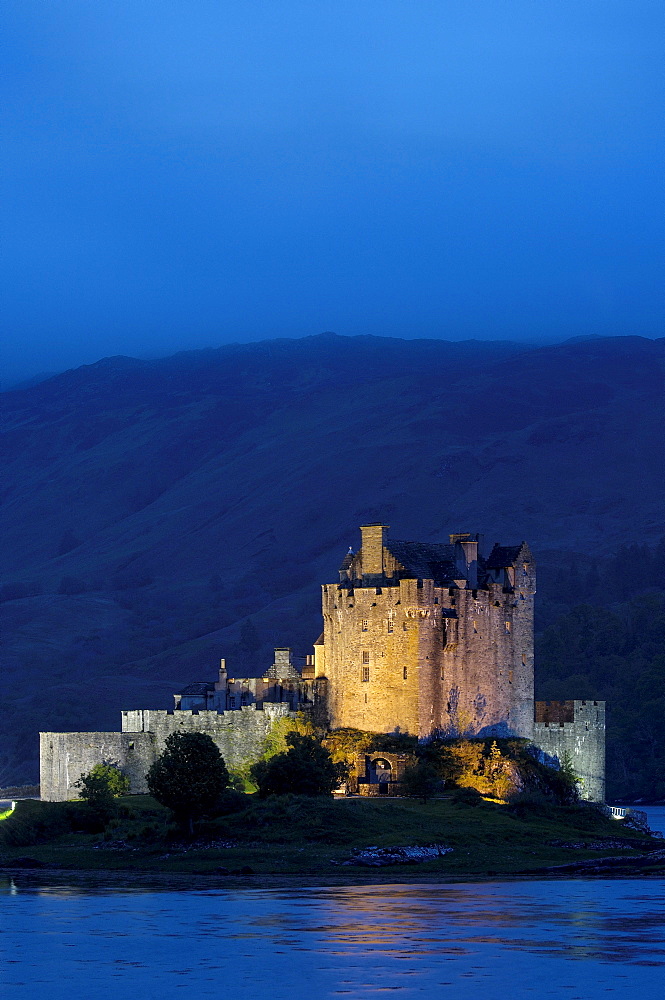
<point>307,768</point>
<point>99,787</point>
<point>189,777</point>
<point>104,775</point>
<point>421,780</point>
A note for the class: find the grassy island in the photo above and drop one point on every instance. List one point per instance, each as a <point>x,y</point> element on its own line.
<point>316,838</point>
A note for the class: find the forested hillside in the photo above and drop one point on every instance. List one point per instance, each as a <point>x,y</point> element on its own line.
<point>160,514</point>
<point>611,644</point>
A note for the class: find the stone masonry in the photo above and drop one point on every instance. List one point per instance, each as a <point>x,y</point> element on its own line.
<point>420,638</point>
<point>574,731</point>
<point>241,737</point>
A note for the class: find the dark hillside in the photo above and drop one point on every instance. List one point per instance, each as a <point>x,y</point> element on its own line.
<point>157,515</point>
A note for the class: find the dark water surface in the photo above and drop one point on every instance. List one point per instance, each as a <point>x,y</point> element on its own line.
<point>578,939</point>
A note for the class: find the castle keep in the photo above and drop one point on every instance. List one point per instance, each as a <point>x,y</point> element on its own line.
<point>419,638</point>
<point>424,637</point>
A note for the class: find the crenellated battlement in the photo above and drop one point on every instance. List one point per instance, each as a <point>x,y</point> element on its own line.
<point>573,732</point>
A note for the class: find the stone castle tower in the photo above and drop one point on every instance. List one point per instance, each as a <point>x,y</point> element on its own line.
<point>423,637</point>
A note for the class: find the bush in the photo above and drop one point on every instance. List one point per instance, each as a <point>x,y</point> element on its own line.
<point>104,776</point>
<point>230,801</point>
<point>421,781</point>
<point>189,777</point>
<point>99,787</point>
<point>307,768</point>
<point>467,797</point>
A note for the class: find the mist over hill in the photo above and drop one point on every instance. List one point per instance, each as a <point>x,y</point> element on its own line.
<point>160,514</point>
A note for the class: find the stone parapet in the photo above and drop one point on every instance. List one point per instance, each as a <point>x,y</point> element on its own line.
<point>574,732</point>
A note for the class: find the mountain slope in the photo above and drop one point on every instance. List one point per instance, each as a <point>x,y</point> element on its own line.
<point>150,508</point>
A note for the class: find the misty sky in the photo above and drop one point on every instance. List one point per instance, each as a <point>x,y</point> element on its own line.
<point>184,174</point>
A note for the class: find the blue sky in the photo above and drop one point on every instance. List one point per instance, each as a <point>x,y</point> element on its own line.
<point>185,174</point>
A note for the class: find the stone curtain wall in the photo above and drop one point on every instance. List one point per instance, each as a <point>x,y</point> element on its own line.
<point>581,740</point>
<point>64,757</point>
<point>241,737</point>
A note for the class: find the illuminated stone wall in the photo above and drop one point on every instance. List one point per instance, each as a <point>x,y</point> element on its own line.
<point>404,654</point>
<point>575,730</point>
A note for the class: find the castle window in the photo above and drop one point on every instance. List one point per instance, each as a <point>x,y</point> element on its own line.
<point>405,673</point>
<point>524,659</point>
<point>507,626</point>
<point>475,627</point>
<point>365,656</point>
<point>364,624</point>
<point>130,745</point>
<point>232,701</point>
<point>365,674</point>
<point>391,624</point>
<point>510,677</point>
<point>525,569</point>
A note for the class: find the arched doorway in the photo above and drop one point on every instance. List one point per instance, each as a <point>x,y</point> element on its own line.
<point>381,774</point>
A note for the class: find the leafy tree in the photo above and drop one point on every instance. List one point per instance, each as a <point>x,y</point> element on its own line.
<point>106,774</point>
<point>421,781</point>
<point>99,787</point>
<point>189,777</point>
<point>307,768</point>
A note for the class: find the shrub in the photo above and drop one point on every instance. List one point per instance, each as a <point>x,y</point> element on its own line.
<point>105,775</point>
<point>99,787</point>
<point>421,780</point>
<point>307,768</point>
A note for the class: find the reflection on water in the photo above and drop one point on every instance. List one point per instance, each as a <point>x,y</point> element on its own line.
<point>516,938</point>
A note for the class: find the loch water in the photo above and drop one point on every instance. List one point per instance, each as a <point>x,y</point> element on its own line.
<point>541,938</point>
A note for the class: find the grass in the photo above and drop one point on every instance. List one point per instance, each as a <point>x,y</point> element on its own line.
<point>295,835</point>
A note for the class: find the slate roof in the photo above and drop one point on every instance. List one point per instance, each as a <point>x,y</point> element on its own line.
<point>504,555</point>
<point>198,687</point>
<point>346,562</point>
<point>426,561</point>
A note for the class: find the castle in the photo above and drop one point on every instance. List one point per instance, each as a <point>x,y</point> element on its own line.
<point>419,638</point>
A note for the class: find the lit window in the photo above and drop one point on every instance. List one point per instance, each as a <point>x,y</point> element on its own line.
<point>507,626</point>
<point>365,656</point>
<point>365,674</point>
<point>524,659</point>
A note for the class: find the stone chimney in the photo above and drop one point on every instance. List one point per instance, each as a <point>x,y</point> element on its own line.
<point>220,685</point>
<point>466,557</point>
<point>373,540</point>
